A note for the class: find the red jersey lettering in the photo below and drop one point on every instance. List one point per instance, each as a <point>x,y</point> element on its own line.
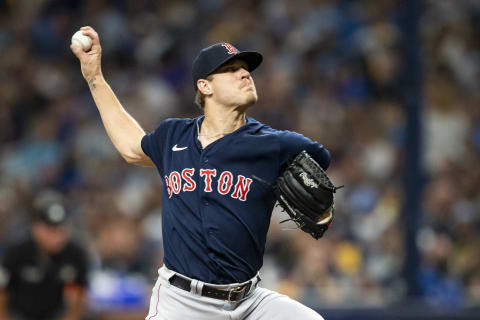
<point>167,185</point>
<point>175,182</point>
<point>189,184</point>
<point>208,174</point>
<point>225,182</point>
<point>242,188</point>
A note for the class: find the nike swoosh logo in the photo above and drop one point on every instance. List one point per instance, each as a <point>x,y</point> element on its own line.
<point>175,148</point>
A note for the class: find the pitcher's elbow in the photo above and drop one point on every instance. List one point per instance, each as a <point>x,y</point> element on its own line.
<point>129,158</point>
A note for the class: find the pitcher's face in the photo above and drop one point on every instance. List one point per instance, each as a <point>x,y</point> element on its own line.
<point>232,84</point>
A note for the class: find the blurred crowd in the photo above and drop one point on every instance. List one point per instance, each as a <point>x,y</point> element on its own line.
<point>333,71</point>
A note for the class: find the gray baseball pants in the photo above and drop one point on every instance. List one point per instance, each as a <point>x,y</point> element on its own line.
<point>171,303</point>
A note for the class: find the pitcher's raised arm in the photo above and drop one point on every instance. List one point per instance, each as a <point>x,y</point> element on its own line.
<point>124,131</point>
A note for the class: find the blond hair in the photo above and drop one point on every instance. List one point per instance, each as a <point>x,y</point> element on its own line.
<point>200,99</point>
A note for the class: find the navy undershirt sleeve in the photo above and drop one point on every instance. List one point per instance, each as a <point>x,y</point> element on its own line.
<point>292,143</point>
<point>153,143</point>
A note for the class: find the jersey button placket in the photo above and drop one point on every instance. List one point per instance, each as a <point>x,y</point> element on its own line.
<point>203,195</point>
<point>204,161</point>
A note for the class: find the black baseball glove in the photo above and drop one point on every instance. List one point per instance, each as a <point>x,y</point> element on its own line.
<point>306,193</point>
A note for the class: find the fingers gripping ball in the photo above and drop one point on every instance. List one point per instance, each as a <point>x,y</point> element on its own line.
<point>82,41</point>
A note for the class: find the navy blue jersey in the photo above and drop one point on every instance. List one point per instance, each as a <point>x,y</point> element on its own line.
<point>215,213</point>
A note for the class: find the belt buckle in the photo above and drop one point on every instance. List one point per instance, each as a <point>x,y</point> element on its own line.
<point>236,290</point>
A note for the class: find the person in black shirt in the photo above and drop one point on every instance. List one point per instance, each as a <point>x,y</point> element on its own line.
<point>45,276</point>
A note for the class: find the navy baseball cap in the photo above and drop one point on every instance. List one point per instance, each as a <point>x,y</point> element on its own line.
<point>211,58</point>
<point>49,208</point>
<point>53,214</point>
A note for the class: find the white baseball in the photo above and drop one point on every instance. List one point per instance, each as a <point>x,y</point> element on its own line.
<point>82,40</point>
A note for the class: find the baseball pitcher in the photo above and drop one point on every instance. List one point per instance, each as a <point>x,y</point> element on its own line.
<point>223,172</point>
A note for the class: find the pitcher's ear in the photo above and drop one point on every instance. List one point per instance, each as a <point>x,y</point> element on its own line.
<point>204,86</point>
